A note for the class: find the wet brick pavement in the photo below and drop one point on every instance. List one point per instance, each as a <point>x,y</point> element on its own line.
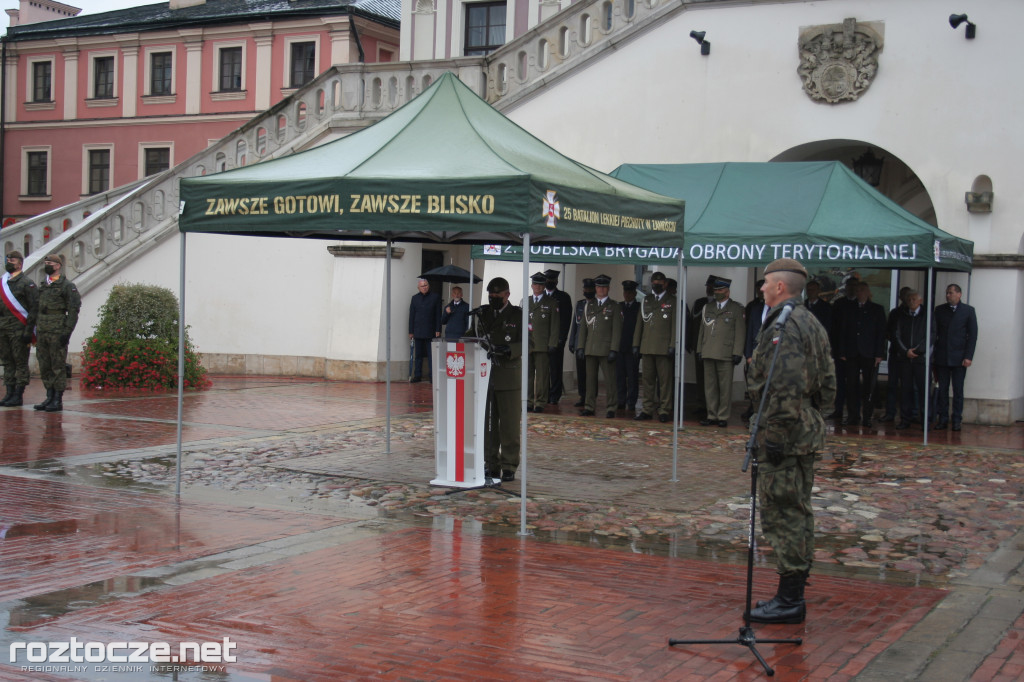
<point>324,558</point>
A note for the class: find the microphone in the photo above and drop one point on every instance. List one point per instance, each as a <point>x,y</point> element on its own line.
<point>783,317</point>
<point>474,311</point>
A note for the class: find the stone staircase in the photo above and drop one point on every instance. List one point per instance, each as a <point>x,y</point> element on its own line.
<point>99,234</point>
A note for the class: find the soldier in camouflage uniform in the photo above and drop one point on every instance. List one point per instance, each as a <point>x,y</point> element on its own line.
<point>720,345</point>
<point>59,303</point>
<point>544,326</point>
<point>600,335</point>
<point>500,324</point>
<point>789,432</point>
<point>20,300</point>
<point>654,340</point>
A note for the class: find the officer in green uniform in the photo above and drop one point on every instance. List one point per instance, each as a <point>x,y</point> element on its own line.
<point>59,303</point>
<point>790,430</point>
<point>654,340</point>
<point>720,344</point>
<point>600,335</point>
<point>20,300</point>
<point>500,325</point>
<point>544,327</point>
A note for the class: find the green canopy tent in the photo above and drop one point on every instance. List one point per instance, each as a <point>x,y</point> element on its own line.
<point>749,214</point>
<point>446,167</point>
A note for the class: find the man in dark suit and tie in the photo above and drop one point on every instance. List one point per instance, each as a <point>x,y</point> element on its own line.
<point>956,336</point>
<point>862,346</point>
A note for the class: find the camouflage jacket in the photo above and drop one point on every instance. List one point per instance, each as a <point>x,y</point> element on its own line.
<point>59,303</point>
<point>25,291</point>
<point>803,386</point>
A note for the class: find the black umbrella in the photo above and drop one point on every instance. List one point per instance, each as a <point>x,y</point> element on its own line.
<point>450,273</point>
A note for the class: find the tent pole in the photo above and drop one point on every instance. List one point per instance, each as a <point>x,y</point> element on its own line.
<point>181,363</point>
<point>680,373</point>
<point>387,351</point>
<point>930,287</point>
<point>471,278</point>
<point>523,382</point>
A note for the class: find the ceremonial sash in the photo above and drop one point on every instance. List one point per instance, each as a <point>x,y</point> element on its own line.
<point>11,302</point>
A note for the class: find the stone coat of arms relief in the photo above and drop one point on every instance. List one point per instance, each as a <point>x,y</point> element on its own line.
<point>839,61</point>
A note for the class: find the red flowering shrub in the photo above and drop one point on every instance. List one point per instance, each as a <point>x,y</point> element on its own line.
<point>135,343</point>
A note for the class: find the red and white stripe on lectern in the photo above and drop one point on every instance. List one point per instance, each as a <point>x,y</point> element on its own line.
<point>456,372</point>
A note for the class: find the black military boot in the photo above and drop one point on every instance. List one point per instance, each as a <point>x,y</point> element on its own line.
<point>803,584</point>
<point>8,396</point>
<point>15,400</point>
<point>46,403</point>
<point>57,404</point>
<point>787,606</point>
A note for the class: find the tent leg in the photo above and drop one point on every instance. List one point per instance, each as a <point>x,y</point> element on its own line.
<point>523,384</point>
<point>387,351</point>
<point>928,354</point>
<point>181,364</point>
<point>680,373</point>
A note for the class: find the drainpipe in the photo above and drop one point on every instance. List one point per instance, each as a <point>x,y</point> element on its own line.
<point>355,34</point>
<point>3,120</point>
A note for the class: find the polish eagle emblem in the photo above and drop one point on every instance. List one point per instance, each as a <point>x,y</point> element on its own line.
<point>456,365</point>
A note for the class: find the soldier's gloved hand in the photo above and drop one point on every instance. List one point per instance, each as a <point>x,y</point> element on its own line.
<point>64,338</point>
<point>502,351</point>
<point>671,351</point>
<point>580,354</point>
<point>773,452</point>
<point>612,355</point>
<point>636,350</point>
<point>737,359</point>
<point>26,336</point>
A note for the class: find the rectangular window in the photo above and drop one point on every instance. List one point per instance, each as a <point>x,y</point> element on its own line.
<point>485,27</point>
<point>37,173</point>
<point>42,73</point>
<point>103,78</point>
<point>303,63</point>
<point>230,69</point>
<point>99,170</point>
<point>160,68</point>
<point>157,160</point>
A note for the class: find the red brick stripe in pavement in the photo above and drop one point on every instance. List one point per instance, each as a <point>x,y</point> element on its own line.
<point>58,536</point>
<point>428,605</point>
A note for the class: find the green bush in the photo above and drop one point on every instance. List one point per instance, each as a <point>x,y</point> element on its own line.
<point>135,343</point>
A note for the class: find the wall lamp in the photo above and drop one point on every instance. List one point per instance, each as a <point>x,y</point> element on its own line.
<point>705,46</point>
<point>955,20</point>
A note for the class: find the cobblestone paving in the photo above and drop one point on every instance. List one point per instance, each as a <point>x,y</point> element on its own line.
<point>903,511</point>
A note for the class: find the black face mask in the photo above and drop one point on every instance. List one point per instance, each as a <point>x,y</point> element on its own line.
<point>496,301</point>
<point>657,287</point>
<point>48,269</point>
<point>589,294</point>
<point>551,284</point>
<point>9,267</point>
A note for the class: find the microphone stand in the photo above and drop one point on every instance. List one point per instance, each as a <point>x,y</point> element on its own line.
<point>746,636</point>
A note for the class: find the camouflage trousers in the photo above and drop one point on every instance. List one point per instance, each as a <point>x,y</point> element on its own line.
<point>787,519</point>
<point>14,355</point>
<point>501,440</point>
<point>538,379</point>
<point>51,355</point>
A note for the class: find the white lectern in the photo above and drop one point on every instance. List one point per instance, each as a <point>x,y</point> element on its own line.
<point>461,373</point>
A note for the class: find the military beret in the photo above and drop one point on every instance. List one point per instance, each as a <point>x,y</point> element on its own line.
<point>602,280</point>
<point>497,285</point>
<point>629,285</point>
<point>551,274</point>
<point>785,265</point>
<point>588,284</point>
<point>16,254</point>
<point>54,258</point>
<point>721,283</point>
<point>539,278</point>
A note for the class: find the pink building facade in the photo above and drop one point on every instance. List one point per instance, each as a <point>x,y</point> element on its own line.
<point>95,102</point>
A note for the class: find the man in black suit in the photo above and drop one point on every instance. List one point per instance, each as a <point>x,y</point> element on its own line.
<point>756,311</point>
<point>821,309</point>
<point>627,367</point>
<point>565,313</point>
<point>909,333</point>
<point>424,325</point>
<point>839,308</point>
<point>862,347</point>
<point>956,336</point>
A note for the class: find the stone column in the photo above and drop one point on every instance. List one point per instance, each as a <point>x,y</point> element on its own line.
<point>264,40</point>
<point>130,81</point>
<point>193,71</point>
<point>70,83</point>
